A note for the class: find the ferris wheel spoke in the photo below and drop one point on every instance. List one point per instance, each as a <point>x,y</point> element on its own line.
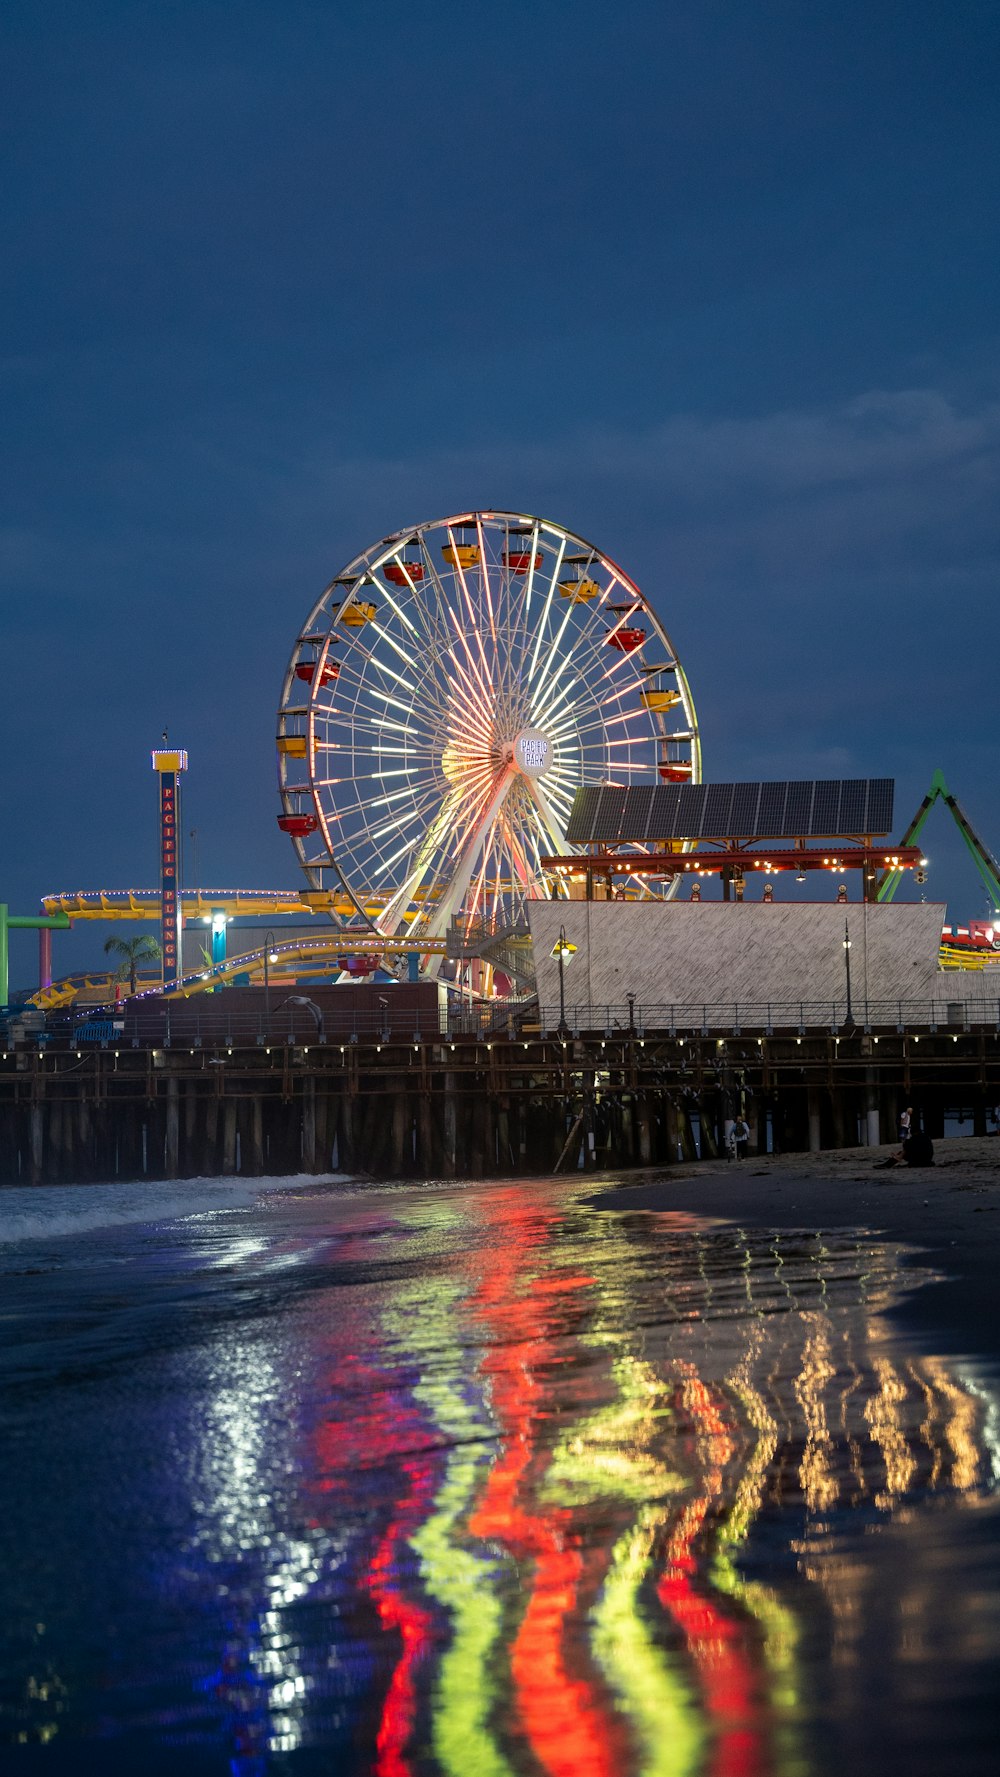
<point>485,572</point>
<point>520,612</point>
<point>459,570</point>
<point>543,622</point>
<point>442,603</point>
<point>391,916</point>
<point>464,865</point>
<point>594,616</point>
<point>553,827</point>
<point>472,671</point>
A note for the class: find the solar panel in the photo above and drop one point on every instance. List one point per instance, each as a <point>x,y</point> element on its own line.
<point>638,808</point>
<point>718,802</point>
<point>852,805</point>
<point>581,815</point>
<point>608,819</point>
<point>690,808</point>
<point>881,795</point>
<point>744,815</point>
<point>828,808</point>
<point>798,809</point>
<point>771,814</point>
<point>662,821</point>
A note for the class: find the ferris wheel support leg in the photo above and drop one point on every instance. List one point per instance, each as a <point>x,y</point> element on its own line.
<point>389,917</point>
<point>454,894</point>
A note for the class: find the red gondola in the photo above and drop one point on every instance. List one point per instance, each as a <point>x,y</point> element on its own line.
<point>330,671</point>
<point>520,560</point>
<point>675,774</point>
<point>394,572</point>
<point>357,965</point>
<point>298,825</point>
<point>626,640</point>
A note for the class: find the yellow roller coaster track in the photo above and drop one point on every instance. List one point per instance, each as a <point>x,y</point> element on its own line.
<point>955,957</point>
<point>319,955</point>
<point>200,903</point>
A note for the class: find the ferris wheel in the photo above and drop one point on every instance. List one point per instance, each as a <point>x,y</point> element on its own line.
<point>447,695</point>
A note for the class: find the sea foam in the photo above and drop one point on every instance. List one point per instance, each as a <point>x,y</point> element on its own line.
<point>46,1212</point>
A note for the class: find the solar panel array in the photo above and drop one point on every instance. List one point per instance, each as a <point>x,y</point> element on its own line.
<point>820,808</point>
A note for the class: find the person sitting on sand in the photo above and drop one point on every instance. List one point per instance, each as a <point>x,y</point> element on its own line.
<point>917,1150</point>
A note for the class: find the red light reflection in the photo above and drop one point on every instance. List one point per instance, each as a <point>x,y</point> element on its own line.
<point>565,1717</point>
<point>716,1643</point>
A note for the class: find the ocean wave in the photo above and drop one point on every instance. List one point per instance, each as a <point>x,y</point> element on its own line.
<point>46,1212</point>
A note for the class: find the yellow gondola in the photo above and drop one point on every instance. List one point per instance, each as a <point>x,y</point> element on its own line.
<point>357,614</point>
<point>579,590</point>
<point>462,555</point>
<point>293,746</point>
<point>660,700</point>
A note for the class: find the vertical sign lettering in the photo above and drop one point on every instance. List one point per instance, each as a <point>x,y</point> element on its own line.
<point>169,766</point>
<point>170,899</point>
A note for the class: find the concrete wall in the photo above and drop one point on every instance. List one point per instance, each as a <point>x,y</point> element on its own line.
<point>677,953</point>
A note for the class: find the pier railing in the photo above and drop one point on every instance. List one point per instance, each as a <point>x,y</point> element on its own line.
<point>784,1018</point>
<point>217,1022</point>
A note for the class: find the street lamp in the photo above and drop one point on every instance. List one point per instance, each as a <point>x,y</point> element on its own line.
<point>299,999</point>
<point>564,953</point>
<point>847,968</point>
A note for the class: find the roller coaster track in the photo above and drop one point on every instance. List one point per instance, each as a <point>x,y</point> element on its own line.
<point>197,903</point>
<point>318,955</point>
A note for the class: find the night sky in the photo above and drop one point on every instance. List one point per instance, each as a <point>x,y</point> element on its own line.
<point>714,284</point>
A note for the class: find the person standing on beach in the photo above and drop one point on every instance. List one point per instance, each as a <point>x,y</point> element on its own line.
<point>741,1136</point>
<point>905,1123</point>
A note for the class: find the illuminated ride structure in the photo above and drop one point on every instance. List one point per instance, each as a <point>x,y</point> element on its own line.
<point>278,959</point>
<point>446,695</point>
<point>977,944</point>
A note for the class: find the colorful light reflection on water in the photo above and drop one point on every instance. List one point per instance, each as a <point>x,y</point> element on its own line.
<point>489,1483</point>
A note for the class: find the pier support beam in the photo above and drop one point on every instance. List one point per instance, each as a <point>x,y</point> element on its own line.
<point>872,1133</point>
<point>171,1146</point>
<point>815,1122</point>
<point>309,1124</point>
<point>450,1127</point>
<point>229,1136</point>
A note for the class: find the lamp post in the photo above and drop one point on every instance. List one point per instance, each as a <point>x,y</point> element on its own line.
<point>847,970</point>
<point>564,953</point>
<point>299,999</point>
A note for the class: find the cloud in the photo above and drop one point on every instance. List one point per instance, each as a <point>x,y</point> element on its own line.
<point>868,487</point>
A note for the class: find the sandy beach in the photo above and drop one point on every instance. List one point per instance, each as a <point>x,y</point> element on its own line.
<point>949,1212</point>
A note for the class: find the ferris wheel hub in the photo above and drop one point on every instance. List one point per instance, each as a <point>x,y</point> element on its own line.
<point>532,752</point>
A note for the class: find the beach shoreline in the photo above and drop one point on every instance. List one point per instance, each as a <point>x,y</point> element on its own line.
<point>948,1213</point>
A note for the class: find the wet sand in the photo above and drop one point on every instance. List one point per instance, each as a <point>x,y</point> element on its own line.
<point>949,1212</point>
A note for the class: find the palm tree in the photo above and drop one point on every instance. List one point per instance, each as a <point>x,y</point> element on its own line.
<point>132,952</point>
